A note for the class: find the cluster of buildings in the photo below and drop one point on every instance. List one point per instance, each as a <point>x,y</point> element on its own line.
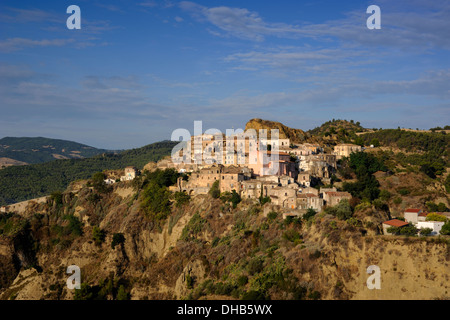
<point>277,169</point>
<point>418,218</point>
<point>129,174</point>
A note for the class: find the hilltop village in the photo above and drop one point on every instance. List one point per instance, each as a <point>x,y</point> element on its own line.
<point>301,180</point>
<point>292,177</point>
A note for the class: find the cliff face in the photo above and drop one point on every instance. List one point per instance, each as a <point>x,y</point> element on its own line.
<point>206,249</point>
<point>295,135</point>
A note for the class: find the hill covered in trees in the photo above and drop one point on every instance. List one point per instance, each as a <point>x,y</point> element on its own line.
<point>18,183</point>
<point>39,150</point>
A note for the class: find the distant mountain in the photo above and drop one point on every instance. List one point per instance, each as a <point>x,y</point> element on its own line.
<point>19,151</point>
<point>18,183</point>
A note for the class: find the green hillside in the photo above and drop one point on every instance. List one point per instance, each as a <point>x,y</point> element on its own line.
<point>20,183</point>
<point>39,150</point>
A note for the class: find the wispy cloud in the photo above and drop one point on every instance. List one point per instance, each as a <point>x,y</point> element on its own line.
<point>402,27</point>
<point>239,22</point>
<point>14,44</point>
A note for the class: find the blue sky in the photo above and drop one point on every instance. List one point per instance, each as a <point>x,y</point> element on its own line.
<point>136,71</point>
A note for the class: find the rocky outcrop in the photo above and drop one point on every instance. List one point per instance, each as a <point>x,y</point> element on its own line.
<point>222,252</point>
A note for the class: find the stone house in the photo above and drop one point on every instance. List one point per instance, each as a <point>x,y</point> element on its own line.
<point>283,197</point>
<point>310,190</point>
<point>393,223</point>
<point>230,179</point>
<point>251,189</point>
<point>345,149</point>
<point>304,179</point>
<point>321,166</point>
<point>333,198</point>
<point>412,215</point>
<point>309,200</point>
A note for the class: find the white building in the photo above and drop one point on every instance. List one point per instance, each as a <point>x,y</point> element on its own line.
<point>412,215</point>
<point>436,226</point>
<point>110,181</point>
<point>130,174</point>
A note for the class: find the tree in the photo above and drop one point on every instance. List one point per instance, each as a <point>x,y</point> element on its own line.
<point>235,198</point>
<point>436,217</point>
<point>445,230</point>
<point>342,210</point>
<point>122,294</point>
<point>99,184</point>
<point>442,207</point>
<point>409,230</point>
<point>215,190</point>
<point>375,142</point>
<point>156,200</point>
<point>425,231</point>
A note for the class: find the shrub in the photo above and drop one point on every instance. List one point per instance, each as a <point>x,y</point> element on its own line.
<point>118,238</point>
<point>342,210</point>
<point>122,294</point>
<point>272,215</point>
<point>181,198</point>
<point>242,281</point>
<point>57,197</point>
<point>309,214</point>
<point>291,235</point>
<point>447,183</point>
<point>446,228</point>
<point>255,265</point>
<point>75,226</point>
<point>253,295</point>
<point>264,200</point>
<point>385,195</point>
<point>194,227</point>
<point>98,235</point>
<point>403,191</point>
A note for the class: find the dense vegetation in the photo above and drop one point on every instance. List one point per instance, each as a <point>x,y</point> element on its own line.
<point>341,130</point>
<point>434,143</point>
<point>20,183</point>
<point>427,152</point>
<point>39,150</point>
<point>363,165</point>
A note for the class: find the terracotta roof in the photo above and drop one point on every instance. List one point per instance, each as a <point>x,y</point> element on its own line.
<point>396,223</point>
<point>412,210</point>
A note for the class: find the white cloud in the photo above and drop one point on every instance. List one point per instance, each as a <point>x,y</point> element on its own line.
<point>14,44</point>
<point>401,26</point>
